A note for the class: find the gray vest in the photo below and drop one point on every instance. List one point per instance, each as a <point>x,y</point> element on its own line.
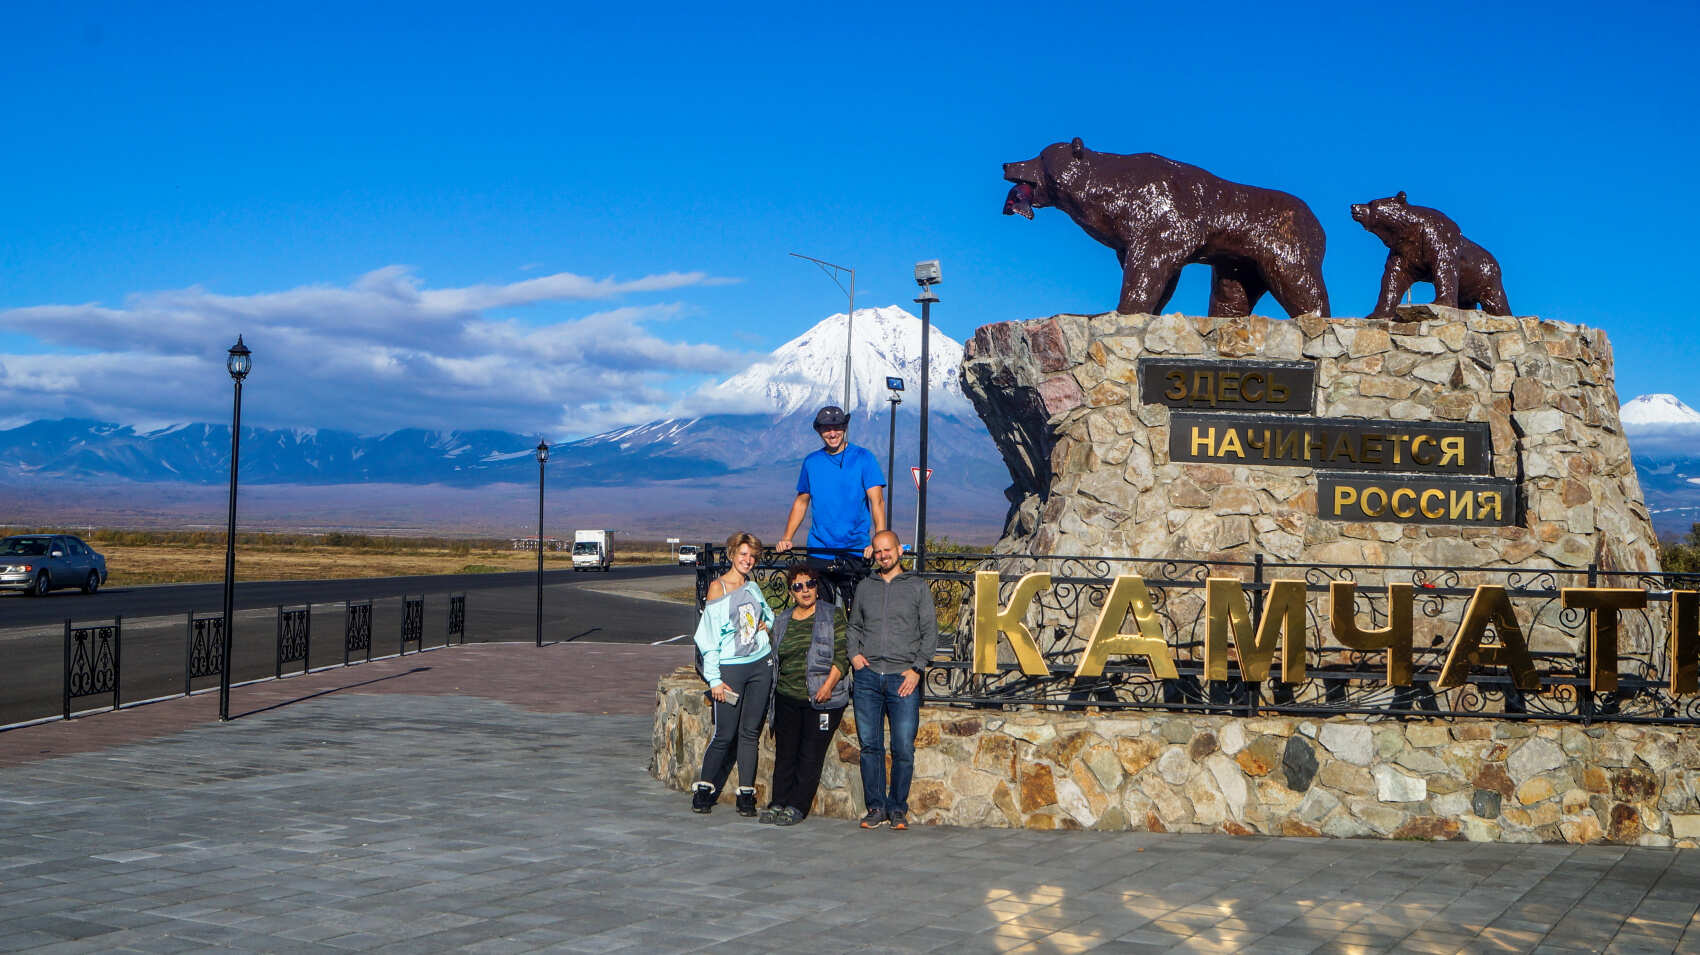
<point>818,664</point>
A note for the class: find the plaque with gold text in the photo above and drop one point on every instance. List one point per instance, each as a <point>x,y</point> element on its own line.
<point>1416,499</point>
<point>1342,444</point>
<point>1227,384</point>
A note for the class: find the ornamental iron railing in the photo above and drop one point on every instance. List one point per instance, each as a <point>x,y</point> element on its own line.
<point>294,637</point>
<point>203,648</point>
<point>92,660</point>
<point>356,630</point>
<point>1569,677</point>
<point>412,623</point>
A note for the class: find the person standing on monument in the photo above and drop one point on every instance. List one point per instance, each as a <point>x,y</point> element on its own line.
<point>893,634</point>
<point>841,487</point>
<point>737,663</point>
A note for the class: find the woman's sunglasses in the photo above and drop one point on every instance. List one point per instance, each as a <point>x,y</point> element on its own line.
<point>803,585</point>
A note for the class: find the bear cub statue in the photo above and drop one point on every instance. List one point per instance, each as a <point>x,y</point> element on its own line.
<point>1423,245</point>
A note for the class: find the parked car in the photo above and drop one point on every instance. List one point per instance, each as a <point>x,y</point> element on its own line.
<point>688,555</point>
<point>38,563</point>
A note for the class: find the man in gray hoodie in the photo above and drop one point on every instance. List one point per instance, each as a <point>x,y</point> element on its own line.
<point>893,633</point>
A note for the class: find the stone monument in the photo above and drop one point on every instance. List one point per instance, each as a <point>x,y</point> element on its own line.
<point>1436,438</point>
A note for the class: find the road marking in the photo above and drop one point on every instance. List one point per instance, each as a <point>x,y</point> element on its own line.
<point>657,643</point>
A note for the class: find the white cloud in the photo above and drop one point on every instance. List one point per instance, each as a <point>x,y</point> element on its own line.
<point>384,352</point>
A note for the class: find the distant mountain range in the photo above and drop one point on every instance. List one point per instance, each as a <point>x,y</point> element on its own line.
<point>1664,437</point>
<point>736,462</point>
<point>755,429</point>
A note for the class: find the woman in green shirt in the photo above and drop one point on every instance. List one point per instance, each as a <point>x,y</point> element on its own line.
<point>810,693</point>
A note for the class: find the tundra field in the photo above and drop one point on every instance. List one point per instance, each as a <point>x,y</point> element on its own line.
<point>176,557</point>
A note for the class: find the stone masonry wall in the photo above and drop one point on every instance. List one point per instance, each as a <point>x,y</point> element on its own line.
<point>1091,472</point>
<point>1480,780</point>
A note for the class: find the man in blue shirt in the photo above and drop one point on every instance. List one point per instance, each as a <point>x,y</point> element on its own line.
<point>842,485</point>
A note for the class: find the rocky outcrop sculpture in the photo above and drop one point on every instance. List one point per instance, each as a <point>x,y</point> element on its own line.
<point>1423,245</point>
<point>1160,215</point>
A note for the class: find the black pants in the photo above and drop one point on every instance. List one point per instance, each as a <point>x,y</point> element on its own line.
<point>739,723</point>
<point>801,735</point>
<point>841,575</point>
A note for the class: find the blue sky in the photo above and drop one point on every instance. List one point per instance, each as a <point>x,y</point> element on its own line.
<point>546,218</point>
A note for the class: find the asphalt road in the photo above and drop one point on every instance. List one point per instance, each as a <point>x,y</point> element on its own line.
<point>499,607</point>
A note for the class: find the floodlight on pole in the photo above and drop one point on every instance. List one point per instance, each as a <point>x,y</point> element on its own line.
<point>927,275</point>
<point>850,316</point>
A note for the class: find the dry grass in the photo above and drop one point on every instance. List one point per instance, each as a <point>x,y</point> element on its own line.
<point>159,558</point>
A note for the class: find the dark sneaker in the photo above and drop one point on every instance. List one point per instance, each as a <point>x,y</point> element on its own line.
<point>746,802</point>
<point>768,814</point>
<point>874,819</point>
<point>703,798</point>
<point>899,819</point>
<point>786,816</point>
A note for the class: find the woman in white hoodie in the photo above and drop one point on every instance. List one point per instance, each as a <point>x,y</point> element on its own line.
<point>737,662</point>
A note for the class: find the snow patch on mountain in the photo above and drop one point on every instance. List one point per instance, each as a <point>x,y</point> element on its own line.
<point>808,371</point>
<point>1658,411</point>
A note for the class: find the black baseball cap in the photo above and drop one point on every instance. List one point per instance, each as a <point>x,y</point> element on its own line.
<point>831,416</point>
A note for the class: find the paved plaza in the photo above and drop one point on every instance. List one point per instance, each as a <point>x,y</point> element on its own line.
<point>495,798</point>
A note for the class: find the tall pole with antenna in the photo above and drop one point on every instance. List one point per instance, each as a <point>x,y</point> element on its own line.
<point>832,272</point>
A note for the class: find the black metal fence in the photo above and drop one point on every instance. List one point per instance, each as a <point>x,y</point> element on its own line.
<point>94,665</point>
<point>1337,678</point>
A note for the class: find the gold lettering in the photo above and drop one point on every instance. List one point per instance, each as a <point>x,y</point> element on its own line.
<point>989,621</point>
<point>1463,503</point>
<point>1395,638</point>
<point>1127,595</point>
<point>1252,378</point>
<point>1283,620</point>
<point>1410,511</point>
<point>1315,442</point>
<point>1452,449</point>
<point>1602,604</point>
<point>1380,505</point>
<point>1488,503</point>
<point>1228,383</point>
<point>1439,507</point>
<point>1209,441</point>
<point>1489,606</point>
<point>1257,443</point>
<point>1344,497</point>
<point>1177,386</point>
<point>1277,392</point>
<point>1289,445</point>
<point>1684,641</point>
<point>1230,444</point>
<point>1203,386</point>
<point>1399,447</point>
<point>1343,448</point>
<point>1417,457</point>
<point>1372,448</point>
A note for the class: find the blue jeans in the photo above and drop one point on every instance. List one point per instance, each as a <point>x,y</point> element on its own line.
<point>875,697</point>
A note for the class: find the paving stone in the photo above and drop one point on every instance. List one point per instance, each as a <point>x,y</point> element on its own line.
<point>487,819</point>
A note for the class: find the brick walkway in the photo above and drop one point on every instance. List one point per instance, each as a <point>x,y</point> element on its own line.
<point>495,798</point>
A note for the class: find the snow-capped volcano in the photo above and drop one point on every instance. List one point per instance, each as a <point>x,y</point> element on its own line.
<point>808,371</point>
<point>1658,410</point>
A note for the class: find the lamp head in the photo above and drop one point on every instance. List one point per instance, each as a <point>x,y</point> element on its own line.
<point>542,452</point>
<point>239,360</point>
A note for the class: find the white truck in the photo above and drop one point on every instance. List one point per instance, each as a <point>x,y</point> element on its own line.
<point>593,550</point>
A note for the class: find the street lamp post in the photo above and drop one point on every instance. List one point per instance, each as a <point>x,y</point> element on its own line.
<point>542,459</point>
<point>850,316</point>
<point>926,275</point>
<point>896,386</point>
<point>237,363</point>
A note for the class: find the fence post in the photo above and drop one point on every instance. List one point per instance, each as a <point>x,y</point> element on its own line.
<point>117,659</point>
<point>188,651</point>
<point>67,667</point>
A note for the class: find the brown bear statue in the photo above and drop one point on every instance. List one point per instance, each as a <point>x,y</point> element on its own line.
<point>1160,215</point>
<point>1423,245</point>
